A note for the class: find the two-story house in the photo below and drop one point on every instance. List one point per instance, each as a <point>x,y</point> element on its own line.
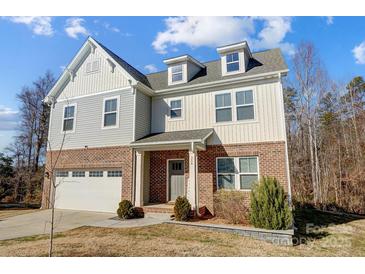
<point>116,133</point>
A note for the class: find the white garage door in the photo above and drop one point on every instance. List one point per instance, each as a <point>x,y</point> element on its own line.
<point>84,190</point>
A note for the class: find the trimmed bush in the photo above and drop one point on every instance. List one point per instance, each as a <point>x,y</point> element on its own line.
<point>125,210</point>
<point>269,205</point>
<point>230,206</point>
<point>182,209</point>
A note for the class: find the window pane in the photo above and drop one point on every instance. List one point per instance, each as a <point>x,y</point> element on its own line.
<point>244,165</point>
<point>233,67</point>
<point>69,112</point>
<point>111,105</point>
<point>78,173</point>
<point>246,181</point>
<point>68,124</point>
<point>248,97</point>
<point>226,165</point>
<point>176,77</point>
<point>245,113</point>
<point>223,115</point>
<point>176,104</point>
<point>240,98</point>
<point>95,173</point>
<point>223,100</point>
<point>252,164</point>
<point>110,119</point>
<point>226,181</point>
<point>175,113</point>
<point>115,173</point>
<point>232,57</point>
<point>176,69</point>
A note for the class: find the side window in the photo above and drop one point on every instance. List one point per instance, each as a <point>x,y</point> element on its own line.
<point>226,173</point>
<point>69,118</point>
<point>223,107</point>
<point>244,105</point>
<point>175,109</point>
<point>176,73</point>
<point>111,112</point>
<point>232,61</point>
<point>248,172</point>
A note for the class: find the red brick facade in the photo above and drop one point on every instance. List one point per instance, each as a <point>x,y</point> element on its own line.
<point>89,158</point>
<point>271,155</point>
<point>158,172</point>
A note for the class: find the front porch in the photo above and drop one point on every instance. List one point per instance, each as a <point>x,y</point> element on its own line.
<point>166,166</point>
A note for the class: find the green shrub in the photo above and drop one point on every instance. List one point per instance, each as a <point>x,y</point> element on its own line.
<point>182,209</point>
<point>230,206</point>
<point>125,210</point>
<point>269,205</point>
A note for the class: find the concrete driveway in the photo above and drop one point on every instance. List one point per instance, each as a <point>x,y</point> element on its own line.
<point>39,222</point>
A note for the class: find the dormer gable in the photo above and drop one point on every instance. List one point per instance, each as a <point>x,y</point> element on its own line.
<point>234,58</point>
<point>182,69</point>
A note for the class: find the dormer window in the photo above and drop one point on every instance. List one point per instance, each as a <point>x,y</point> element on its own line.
<point>176,73</point>
<point>232,61</point>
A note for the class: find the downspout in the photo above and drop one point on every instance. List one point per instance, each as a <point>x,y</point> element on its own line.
<point>133,196</point>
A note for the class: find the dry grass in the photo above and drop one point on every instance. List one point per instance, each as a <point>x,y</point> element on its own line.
<point>6,213</point>
<point>346,239</point>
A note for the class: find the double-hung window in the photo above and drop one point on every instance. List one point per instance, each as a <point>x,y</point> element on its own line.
<point>237,173</point>
<point>244,105</point>
<point>232,61</point>
<point>175,108</point>
<point>176,73</point>
<point>111,113</point>
<point>69,112</point>
<point>223,107</point>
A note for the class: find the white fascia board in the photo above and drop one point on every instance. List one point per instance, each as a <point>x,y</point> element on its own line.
<point>167,143</point>
<point>222,82</point>
<point>232,47</point>
<point>183,58</point>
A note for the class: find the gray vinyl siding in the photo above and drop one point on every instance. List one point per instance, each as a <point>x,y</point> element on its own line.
<point>88,126</point>
<point>143,115</point>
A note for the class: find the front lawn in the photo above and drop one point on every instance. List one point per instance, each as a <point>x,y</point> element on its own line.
<point>344,237</point>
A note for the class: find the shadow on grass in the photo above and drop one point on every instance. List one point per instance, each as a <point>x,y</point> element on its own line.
<point>310,224</point>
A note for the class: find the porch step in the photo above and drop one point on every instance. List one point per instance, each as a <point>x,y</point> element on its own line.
<point>158,208</point>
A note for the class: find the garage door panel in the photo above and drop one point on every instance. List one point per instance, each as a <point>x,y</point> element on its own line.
<point>89,193</point>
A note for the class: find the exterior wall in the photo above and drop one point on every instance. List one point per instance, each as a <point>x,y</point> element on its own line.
<point>93,83</point>
<point>143,115</point>
<point>271,163</point>
<point>84,159</point>
<point>158,172</point>
<point>199,112</point>
<point>88,123</point>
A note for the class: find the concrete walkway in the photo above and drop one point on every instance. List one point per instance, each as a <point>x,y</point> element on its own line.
<point>37,223</point>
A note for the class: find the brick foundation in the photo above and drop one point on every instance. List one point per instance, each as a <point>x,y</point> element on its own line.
<point>91,158</point>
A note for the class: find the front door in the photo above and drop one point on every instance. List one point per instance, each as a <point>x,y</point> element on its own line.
<point>176,179</point>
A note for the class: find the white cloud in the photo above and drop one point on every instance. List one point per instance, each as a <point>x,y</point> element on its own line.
<point>359,53</point>
<point>329,20</point>
<point>111,28</point>
<point>74,27</point>
<point>216,31</point>
<point>8,118</point>
<point>40,25</point>
<point>151,68</point>
<point>202,31</point>
<point>273,34</point>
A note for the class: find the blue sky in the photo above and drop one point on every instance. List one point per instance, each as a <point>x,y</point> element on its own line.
<point>32,45</point>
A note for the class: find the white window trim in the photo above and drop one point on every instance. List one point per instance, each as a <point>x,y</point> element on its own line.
<point>182,108</point>
<point>245,105</point>
<point>234,107</point>
<point>237,174</point>
<point>174,73</point>
<point>63,118</point>
<point>238,61</point>
<point>226,107</point>
<point>118,111</point>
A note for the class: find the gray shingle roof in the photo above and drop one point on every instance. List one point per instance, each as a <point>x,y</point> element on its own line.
<point>261,62</point>
<point>176,136</point>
